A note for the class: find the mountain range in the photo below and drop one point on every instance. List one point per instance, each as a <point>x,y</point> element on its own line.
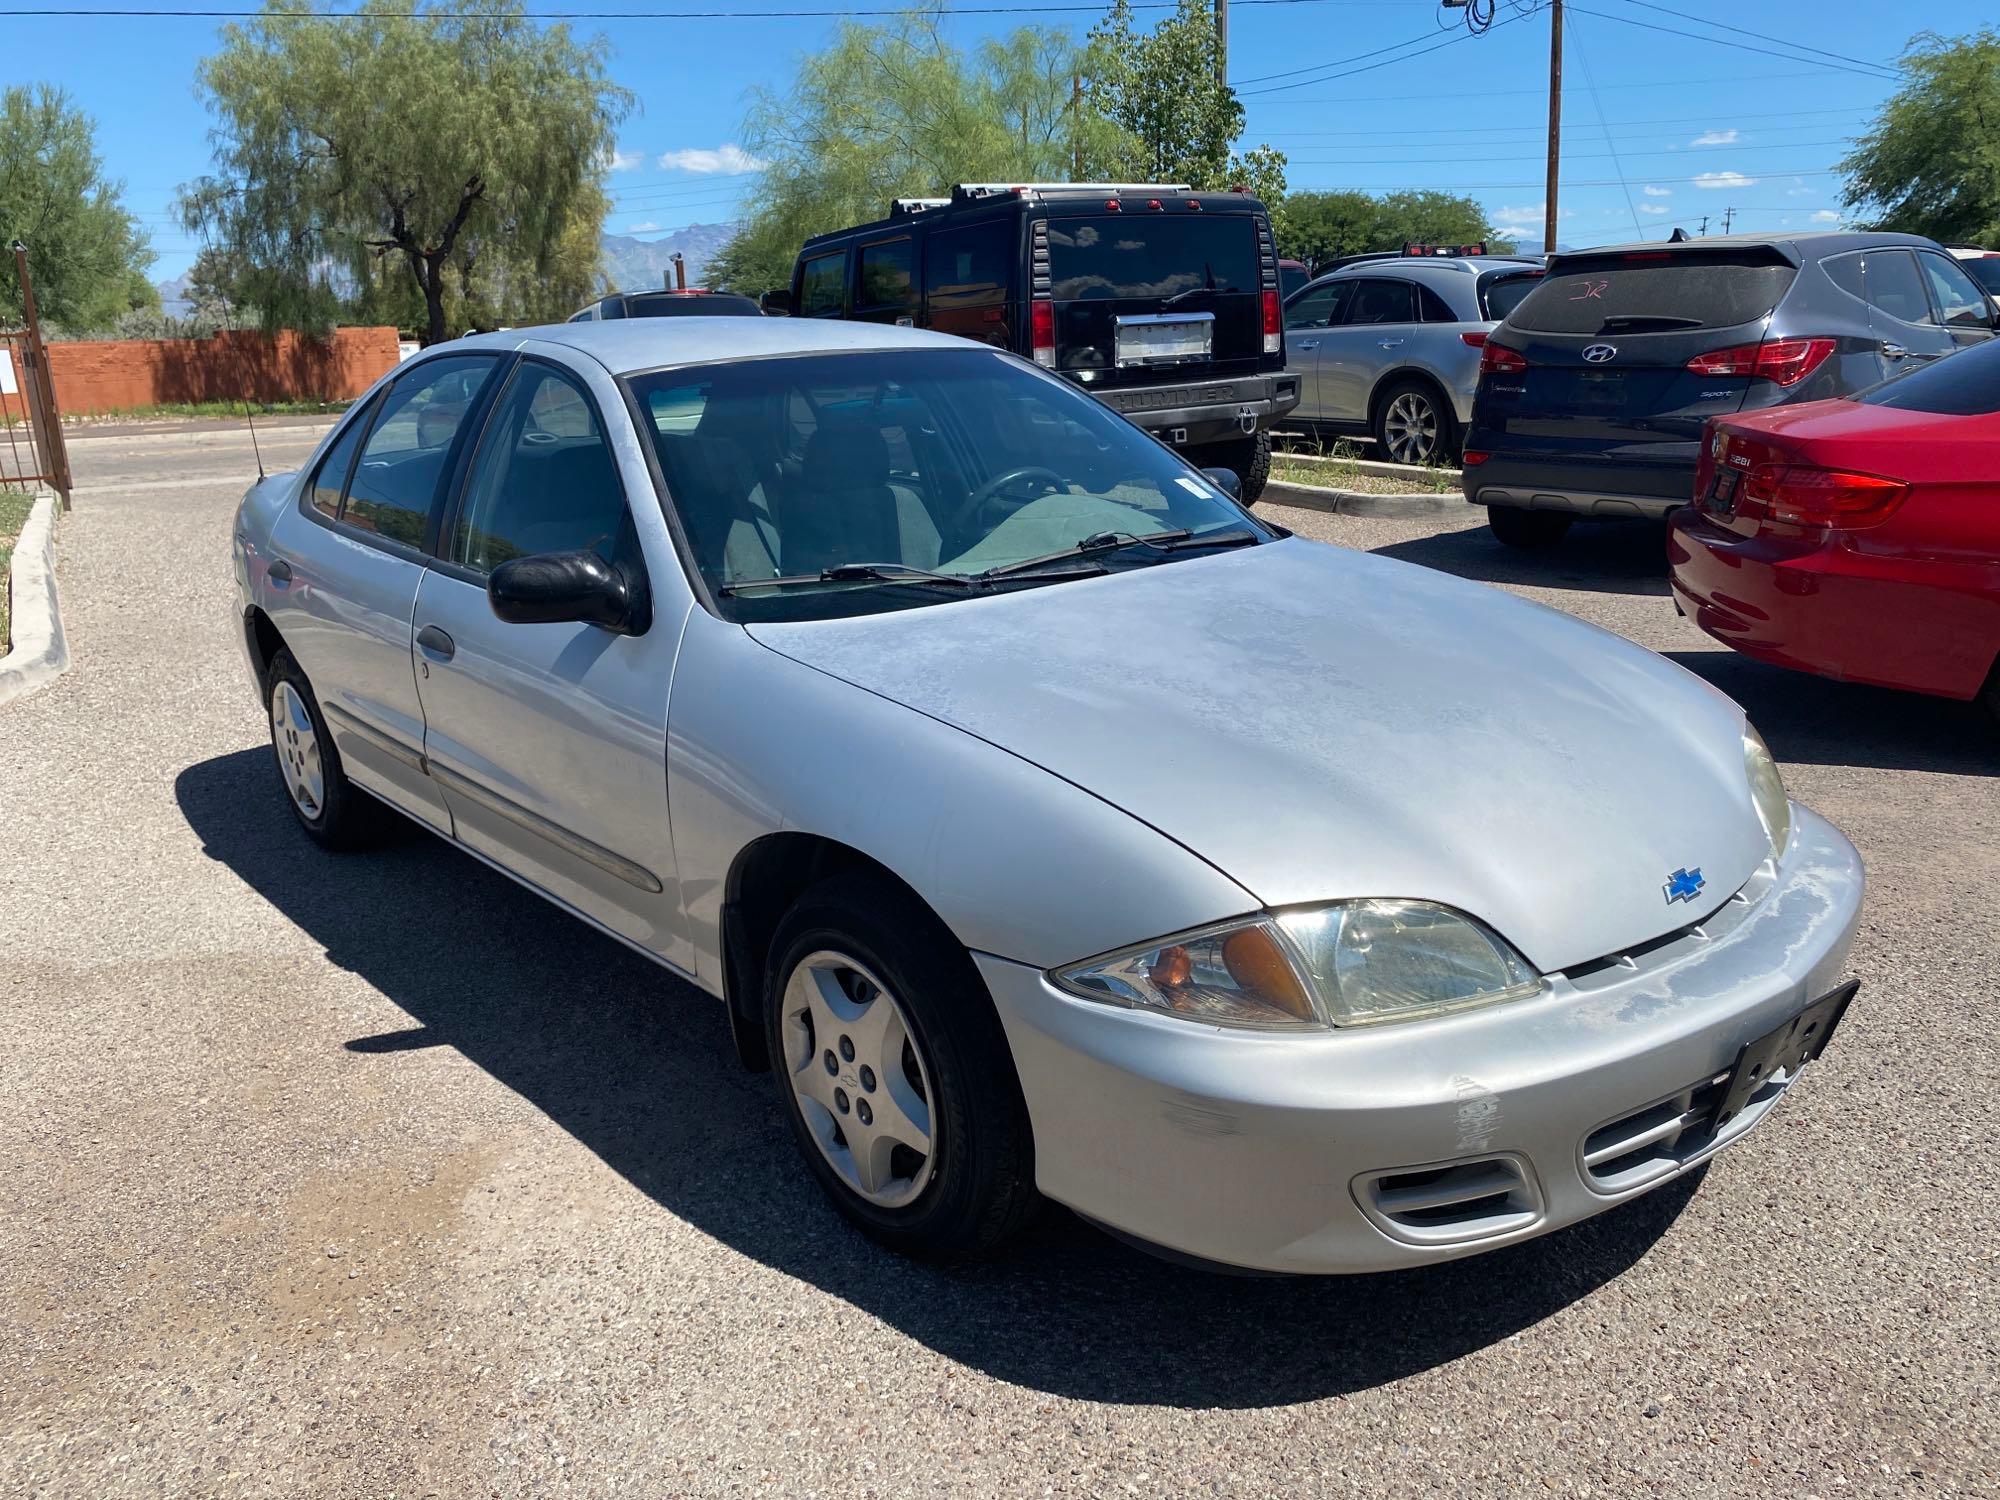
<point>635,265</point>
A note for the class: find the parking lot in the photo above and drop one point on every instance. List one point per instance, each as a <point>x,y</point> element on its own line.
<point>374,1174</point>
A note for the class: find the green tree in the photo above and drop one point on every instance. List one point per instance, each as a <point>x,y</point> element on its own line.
<point>455,140</point>
<point>897,111</point>
<point>1931,163</point>
<point>86,255</point>
<point>1318,226</point>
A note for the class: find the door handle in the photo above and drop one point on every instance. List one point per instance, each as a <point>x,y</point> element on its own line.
<point>436,642</point>
<point>1389,343</point>
<point>1308,343</point>
<point>279,571</point>
<point>1894,351</point>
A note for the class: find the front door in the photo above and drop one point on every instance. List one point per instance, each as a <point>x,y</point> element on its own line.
<point>549,741</point>
<point>1307,318</point>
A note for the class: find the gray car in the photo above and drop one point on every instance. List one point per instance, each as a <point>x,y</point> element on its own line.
<point>1047,824</point>
<point>1387,351</point>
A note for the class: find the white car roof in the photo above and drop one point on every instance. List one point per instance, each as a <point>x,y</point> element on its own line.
<point>623,345</point>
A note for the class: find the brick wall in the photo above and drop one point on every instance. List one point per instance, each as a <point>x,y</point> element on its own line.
<point>118,374</point>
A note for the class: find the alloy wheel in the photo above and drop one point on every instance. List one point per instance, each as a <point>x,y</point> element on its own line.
<point>1410,428</point>
<point>859,1078</point>
<point>297,744</point>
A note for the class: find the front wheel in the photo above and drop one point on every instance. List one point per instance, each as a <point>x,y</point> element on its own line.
<point>1529,529</point>
<point>895,1073</point>
<point>328,806</point>
<point>1248,458</point>
<point>1412,426</point>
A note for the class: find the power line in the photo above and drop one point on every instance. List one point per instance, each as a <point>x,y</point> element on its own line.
<point>1420,161</point>
<point>1485,93</point>
<point>1369,67</point>
<point>1869,72</point>
<point>1061,7</point>
<point>1485,187</point>
<point>1741,31</point>
<point>1597,106</point>
<point>1487,132</point>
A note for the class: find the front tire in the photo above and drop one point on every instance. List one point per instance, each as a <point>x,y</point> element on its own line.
<point>1532,530</point>
<point>331,809</point>
<point>1248,458</point>
<point>895,1073</point>
<point>1412,426</point>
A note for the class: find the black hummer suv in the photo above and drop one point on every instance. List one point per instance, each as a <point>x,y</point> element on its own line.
<point>1160,301</point>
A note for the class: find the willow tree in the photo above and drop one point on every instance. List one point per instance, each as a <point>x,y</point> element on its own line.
<point>453,144</point>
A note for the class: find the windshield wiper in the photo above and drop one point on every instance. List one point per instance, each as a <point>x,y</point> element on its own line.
<point>1101,541</point>
<point>1235,537</point>
<point>861,572</point>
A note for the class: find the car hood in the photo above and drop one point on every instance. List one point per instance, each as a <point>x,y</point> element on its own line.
<point>1320,723</point>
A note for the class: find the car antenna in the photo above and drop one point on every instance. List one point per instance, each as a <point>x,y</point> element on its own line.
<point>229,322</point>
<point>1677,236</point>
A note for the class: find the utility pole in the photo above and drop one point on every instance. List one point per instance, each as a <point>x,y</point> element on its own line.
<point>1555,122</point>
<point>1704,226</point>
<point>1728,218</point>
<point>1222,44</point>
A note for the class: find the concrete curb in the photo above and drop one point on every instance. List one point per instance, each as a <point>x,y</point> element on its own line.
<point>40,653</point>
<point>1355,503</point>
<point>1381,468</point>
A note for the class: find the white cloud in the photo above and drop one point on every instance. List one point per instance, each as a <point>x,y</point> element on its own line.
<point>724,158</point>
<point>1654,208</point>
<point>646,228</point>
<point>1825,216</point>
<point>1724,180</point>
<point>1714,138</point>
<point>1798,189</point>
<point>625,161</point>
<point>1657,192</point>
<point>1526,216</point>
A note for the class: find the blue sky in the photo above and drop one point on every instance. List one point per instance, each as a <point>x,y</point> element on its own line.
<point>1659,128</point>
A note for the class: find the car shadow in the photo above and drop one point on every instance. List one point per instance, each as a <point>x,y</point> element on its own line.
<point>1618,557</point>
<point>637,1066</point>
<point>1817,721</point>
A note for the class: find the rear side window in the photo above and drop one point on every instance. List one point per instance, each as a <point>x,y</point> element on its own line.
<point>1890,282</point>
<point>1960,303</point>
<point>823,286</point>
<point>404,460</point>
<point>1500,295</point>
<point>1382,301</point>
<point>969,267</point>
<point>888,275</point>
<point>1965,385</point>
<point>1150,256</point>
<point>331,478</point>
<point>1639,294</point>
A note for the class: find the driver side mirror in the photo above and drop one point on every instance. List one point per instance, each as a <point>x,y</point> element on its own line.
<point>560,588</point>
<point>776,303</point>
<point>1225,480</point>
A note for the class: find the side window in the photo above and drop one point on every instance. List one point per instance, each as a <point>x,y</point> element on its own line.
<point>969,267</point>
<point>823,286</point>
<point>1382,301</point>
<point>1319,307</point>
<point>544,480</point>
<point>1434,309</point>
<point>1894,286</point>
<point>1960,303</point>
<point>410,445</point>
<point>588,315</point>
<point>888,276</point>
<point>331,477</point>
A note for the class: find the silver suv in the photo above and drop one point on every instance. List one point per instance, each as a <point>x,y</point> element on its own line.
<point>1387,351</point>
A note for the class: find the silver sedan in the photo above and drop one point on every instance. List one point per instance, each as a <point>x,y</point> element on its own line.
<point>1048,825</point>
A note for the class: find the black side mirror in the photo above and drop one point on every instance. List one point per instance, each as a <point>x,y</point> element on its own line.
<point>776,303</point>
<point>560,588</point>
<point>1225,480</point>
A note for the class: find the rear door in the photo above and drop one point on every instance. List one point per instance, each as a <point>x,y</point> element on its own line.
<point>1608,340</point>
<point>969,283</point>
<point>1155,298</point>
<point>1371,338</point>
<point>885,284</point>
<point>1899,307</point>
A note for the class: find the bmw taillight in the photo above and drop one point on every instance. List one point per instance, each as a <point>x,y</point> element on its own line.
<point>1784,362</point>
<point>1042,333</point>
<point>1274,328</point>
<point>1498,359</point>
<point>1802,495</point>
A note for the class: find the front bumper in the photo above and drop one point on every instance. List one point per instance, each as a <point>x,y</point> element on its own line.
<point>1268,1151</point>
<point>1211,411</point>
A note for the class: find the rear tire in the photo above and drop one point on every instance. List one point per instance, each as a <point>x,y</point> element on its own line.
<point>1248,458</point>
<point>1414,426</point>
<point>1532,530</point>
<point>944,1077</point>
<point>333,811</point>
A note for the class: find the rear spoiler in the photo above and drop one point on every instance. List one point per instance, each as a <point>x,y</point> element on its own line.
<point>1759,253</point>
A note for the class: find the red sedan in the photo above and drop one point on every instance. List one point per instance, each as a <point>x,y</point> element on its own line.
<point>1857,538</point>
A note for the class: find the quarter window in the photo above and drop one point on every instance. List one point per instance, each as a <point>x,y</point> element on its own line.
<point>1960,303</point>
<point>331,477</point>
<point>1434,308</point>
<point>888,275</point>
<point>1378,301</point>
<point>823,286</point>
<point>410,445</point>
<point>544,481</point>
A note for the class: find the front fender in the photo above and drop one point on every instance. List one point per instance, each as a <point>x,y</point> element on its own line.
<point>1015,861</point>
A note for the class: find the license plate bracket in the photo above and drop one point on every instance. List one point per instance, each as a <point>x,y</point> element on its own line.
<point>1164,338</point>
<point>1790,1047</point>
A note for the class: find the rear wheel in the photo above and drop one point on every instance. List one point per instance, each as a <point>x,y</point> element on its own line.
<point>328,806</point>
<point>1413,426</point>
<point>1531,529</point>
<point>1248,458</point>
<point>895,1073</point>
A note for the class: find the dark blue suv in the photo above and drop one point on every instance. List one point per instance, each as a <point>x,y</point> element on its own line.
<point>1593,393</point>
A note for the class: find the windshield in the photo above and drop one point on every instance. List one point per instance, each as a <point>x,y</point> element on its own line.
<point>955,462</point>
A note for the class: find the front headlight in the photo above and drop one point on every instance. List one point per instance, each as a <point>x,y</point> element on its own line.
<point>1354,963</point>
<point>1767,790</point>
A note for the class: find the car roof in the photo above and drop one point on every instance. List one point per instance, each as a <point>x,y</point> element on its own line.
<point>1404,265</point>
<point>625,345</point>
<point>1808,246</point>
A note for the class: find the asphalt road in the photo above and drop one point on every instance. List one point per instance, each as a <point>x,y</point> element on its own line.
<point>373,1175</point>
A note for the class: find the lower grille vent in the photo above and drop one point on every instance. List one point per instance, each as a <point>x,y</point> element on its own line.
<point>1453,1202</point>
<point>1654,1141</point>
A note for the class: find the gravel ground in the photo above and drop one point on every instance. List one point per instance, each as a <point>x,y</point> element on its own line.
<point>373,1175</point>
